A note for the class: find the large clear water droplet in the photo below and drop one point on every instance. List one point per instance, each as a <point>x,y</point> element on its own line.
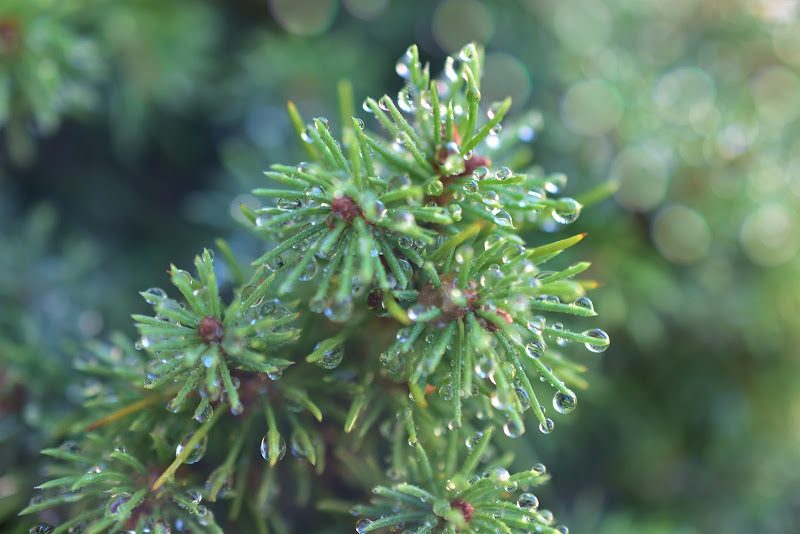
<point>198,451</point>
<point>341,311</point>
<point>567,210</point>
<point>502,173</point>
<point>265,447</point>
<point>513,429</point>
<point>535,349</point>
<point>405,99</point>
<point>600,335</point>
<point>154,295</point>
<point>564,403</point>
<point>503,218</point>
<point>528,501</point>
<point>205,415</point>
<point>473,439</point>
<point>331,358</point>
<point>446,392</point>
<point>547,426</point>
<point>362,524</point>
<point>584,302</point>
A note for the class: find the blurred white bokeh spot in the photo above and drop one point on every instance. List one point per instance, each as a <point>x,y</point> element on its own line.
<point>680,234</point>
<point>769,235</point>
<point>642,177</point>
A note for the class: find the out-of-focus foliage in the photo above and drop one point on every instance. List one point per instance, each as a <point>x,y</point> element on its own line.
<point>692,106</point>
<point>49,67</point>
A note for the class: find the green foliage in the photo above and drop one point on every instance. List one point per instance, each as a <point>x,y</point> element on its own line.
<point>48,68</point>
<point>415,238</point>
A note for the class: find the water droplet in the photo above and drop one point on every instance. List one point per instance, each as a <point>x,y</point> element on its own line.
<point>117,501</point>
<point>480,173</point>
<point>405,242</point>
<point>484,367</point>
<point>471,186</point>
<point>289,204</point>
<point>465,54</point>
<point>567,210</point>
<point>503,218</point>
<point>512,429</point>
<point>564,403</point>
<point>265,447</point>
<point>154,295</point>
<point>535,349</point>
<point>275,375</point>
<point>366,107</point>
<point>547,426</point>
<point>42,528</point>
<point>583,302</point>
<point>562,529</point>
<point>382,103</point>
<point>455,211</point>
<point>193,496</point>
<point>405,99</point>
<point>198,451</point>
<point>473,439</point>
<point>434,188</point>
<point>496,129</point>
<point>528,501</point>
<point>403,221</point>
<point>275,263</point>
<point>415,311</point>
<point>497,474</point>
<point>331,358</point>
<point>340,312</point>
<point>491,198</point>
<point>449,69</point>
<point>502,173</point>
<point>247,292</point>
<point>309,271</point>
<point>362,524</point>
<point>598,334</point>
<point>205,415</point>
<point>454,424</point>
<point>323,121</point>
<point>446,392</point>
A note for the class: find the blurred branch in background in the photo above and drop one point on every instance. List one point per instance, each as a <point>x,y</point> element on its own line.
<point>140,121</point>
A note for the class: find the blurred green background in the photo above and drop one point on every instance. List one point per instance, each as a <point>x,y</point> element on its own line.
<point>131,131</point>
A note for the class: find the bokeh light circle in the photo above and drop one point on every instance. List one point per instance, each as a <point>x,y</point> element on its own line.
<point>642,177</point>
<point>770,235</point>
<point>786,42</point>
<point>582,24</point>
<point>776,93</point>
<point>591,107</point>
<point>680,234</point>
<point>504,75</point>
<point>366,9</point>
<point>304,17</point>
<point>684,95</point>
<point>459,22</point>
